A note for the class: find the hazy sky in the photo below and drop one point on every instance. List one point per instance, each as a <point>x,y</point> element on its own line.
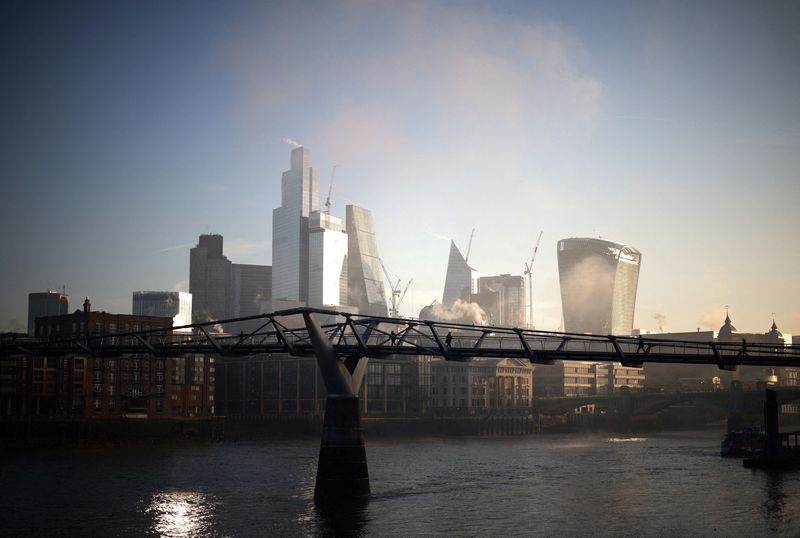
<point>128,129</point>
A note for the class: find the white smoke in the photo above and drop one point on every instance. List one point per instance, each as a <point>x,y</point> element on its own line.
<point>293,143</point>
<point>460,312</point>
<point>662,320</point>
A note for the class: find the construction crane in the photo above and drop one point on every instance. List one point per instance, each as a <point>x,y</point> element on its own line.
<point>330,189</point>
<point>469,245</point>
<point>397,294</point>
<point>529,274</point>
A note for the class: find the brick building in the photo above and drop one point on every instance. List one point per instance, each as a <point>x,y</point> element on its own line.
<point>132,385</point>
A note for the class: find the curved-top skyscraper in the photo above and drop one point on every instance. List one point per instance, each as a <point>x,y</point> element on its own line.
<point>598,285</point>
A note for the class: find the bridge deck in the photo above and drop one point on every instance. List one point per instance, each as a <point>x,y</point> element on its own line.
<point>354,335</point>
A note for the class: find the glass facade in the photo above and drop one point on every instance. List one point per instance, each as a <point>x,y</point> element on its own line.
<point>598,285</point>
<point>251,289</point>
<point>364,274</point>
<point>49,303</point>
<point>174,304</point>
<point>327,261</point>
<point>299,198</point>
<point>461,280</point>
<point>506,304</point>
<point>209,280</point>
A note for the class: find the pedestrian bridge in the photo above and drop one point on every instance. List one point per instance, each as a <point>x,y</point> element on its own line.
<point>353,336</point>
<point>340,341</point>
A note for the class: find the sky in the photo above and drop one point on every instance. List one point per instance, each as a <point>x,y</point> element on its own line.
<point>127,129</point>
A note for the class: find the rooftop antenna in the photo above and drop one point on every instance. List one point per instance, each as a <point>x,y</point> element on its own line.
<point>469,245</point>
<point>330,188</point>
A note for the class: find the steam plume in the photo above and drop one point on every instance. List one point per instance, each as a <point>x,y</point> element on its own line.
<point>460,312</point>
<point>293,143</point>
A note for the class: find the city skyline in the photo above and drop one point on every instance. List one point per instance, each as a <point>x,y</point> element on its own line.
<point>509,119</point>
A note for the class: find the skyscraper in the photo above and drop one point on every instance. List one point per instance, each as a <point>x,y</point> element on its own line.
<point>251,289</point>
<point>327,261</point>
<point>174,304</point>
<point>461,280</point>
<point>48,303</point>
<point>364,274</point>
<point>299,197</point>
<point>209,280</point>
<point>508,309</point>
<point>598,285</point>
<point>221,289</point>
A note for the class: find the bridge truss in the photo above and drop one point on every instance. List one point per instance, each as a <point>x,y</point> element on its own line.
<point>354,336</point>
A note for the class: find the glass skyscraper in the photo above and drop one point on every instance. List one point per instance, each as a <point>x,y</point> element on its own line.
<point>366,291</point>
<point>290,230</point>
<point>209,280</point>
<point>174,304</point>
<point>48,303</point>
<point>598,285</point>
<point>461,280</point>
<point>327,261</point>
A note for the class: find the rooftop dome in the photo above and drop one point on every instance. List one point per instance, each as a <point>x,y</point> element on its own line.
<point>774,330</point>
<point>726,331</point>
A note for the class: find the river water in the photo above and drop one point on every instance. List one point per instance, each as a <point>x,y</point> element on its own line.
<point>548,485</point>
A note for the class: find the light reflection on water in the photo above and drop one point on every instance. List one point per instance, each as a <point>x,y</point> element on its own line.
<point>543,485</point>
<point>177,514</point>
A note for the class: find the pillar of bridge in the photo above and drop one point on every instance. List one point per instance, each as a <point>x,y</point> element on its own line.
<point>342,473</point>
<point>771,426</point>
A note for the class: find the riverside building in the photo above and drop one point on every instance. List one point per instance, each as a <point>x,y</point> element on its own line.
<point>90,386</point>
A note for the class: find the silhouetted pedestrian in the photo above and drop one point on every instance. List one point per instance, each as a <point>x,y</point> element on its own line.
<point>393,336</point>
<point>448,339</point>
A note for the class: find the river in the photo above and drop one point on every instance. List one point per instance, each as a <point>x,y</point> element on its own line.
<point>548,485</point>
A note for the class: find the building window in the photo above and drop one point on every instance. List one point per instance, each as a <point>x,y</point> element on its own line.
<point>97,404</point>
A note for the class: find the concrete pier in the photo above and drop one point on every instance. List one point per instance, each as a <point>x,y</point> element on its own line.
<point>342,474</point>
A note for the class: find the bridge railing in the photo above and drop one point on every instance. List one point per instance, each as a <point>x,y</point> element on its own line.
<point>355,335</point>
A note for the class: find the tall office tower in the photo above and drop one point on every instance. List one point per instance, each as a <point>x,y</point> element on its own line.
<point>327,261</point>
<point>251,289</point>
<point>509,305</point>
<point>364,273</point>
<point>598,285</point>
<point>174,304</point>
<point>299,197</point>
<point>461,280</point>
<point>209,280</point>
<point>48,303</point>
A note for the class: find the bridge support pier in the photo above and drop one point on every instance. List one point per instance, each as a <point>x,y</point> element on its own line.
<point>342,473</point>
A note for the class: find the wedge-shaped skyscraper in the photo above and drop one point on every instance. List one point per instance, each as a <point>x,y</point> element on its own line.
<point>461,280</point>
<point>364,277</point>
<point>598,285</point>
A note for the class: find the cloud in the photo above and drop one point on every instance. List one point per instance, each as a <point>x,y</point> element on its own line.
<point>214,188</point>
<point>442,91</point>
<point>176,247</point>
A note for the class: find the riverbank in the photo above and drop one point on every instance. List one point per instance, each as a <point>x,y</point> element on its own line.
<point>33,433</point>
